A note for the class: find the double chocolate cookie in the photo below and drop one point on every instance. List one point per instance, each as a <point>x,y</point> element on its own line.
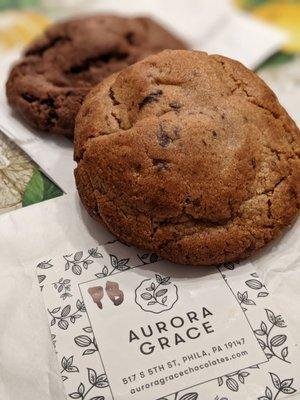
<point>47,86</point>
<point>190,156</point>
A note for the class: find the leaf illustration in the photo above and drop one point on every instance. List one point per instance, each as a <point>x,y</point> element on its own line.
<point>95,253</point>
<point>64,362</point>
<point>244,373</point>
<point>52,322</point>
<point>220,381</point>
<point>113,260</point>
<point>75,395</point>
<point>254,284</point>
<point>88,352</point>
<point>81,388</point>
<point>249,302</point>
<point>288,390</point>
<point>271,316</point>
<point>146,296</point>
<point>44,265</point>
<point>240,296</point>
<point>86,263</point>
<point>63,324</point>
<point>88,329</point>
<point>152,286</point>
<point>284,352</point>
<point>263,327</point>
<point>65,311</point>
<point>269,356</point>
<point>72,368</point>
<point>278,340</point>
<point>92,376</point>
<point>229,266</point>
<point>97,398</point>
<point>82,340</point>
<point>275,380</point>
<point>101,381</point>
<point>41,278</point>
<point>262,344</point>
<point>164,300</point>
<point>280,322</point>
<point>122,267</point>
<point>259,332</point>
<point>262,294</point>
<point>241,378</point>
<point>268,393</point>
<point>76,269</point>
<point>55,310</point>
<point>161,292</point>
<point>144,256</point>
<point>151,303</point>
<point>189,396</point>
<point>80,305</point>
<point>153,258</point>
<point>232,384</point>
<point>287,383</point>
<point>123,262</point>
<point>78,256</point>
<point>158,278</point>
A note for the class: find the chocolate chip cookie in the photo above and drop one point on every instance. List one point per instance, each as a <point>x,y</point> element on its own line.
<point>47,86</point>
<point>190,156</point>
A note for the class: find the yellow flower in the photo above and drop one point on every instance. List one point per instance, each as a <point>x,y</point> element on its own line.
<point>19,27</point>
<point>283,13</point>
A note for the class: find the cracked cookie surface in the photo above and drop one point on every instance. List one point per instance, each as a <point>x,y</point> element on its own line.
<point>47,86</point>
<point>190,156</point>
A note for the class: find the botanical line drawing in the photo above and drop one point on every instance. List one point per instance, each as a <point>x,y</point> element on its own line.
<point>154,295</point>
<point>45,264</point>
<point>188,396</point>
<point>284,386</point>
<point>87,341</point>
<point>244,299</point>
<point>96,381</point>
<point>148,258</point>
<point>233,379</point>
<point>256,284</point>
<point>270,343</point>
<point>67,366</point>
<point>77,262</point>
<point>116,265</point>
<point>64,317</point>
<point>63,286</point>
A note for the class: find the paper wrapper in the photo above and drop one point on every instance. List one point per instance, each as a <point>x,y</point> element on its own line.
<point>30,368</point>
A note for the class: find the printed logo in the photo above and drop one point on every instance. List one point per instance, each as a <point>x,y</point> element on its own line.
<point>156,295</point>
<point>112,290</point>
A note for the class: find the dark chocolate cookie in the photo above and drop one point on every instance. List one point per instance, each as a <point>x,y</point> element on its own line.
<point>190,156</point>
<point>47,86</point>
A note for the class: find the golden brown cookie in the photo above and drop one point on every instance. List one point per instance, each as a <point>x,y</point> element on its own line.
<point>47,86</point>
<point>190,156</point>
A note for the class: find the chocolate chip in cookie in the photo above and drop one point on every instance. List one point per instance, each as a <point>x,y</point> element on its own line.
<point>194,159</point>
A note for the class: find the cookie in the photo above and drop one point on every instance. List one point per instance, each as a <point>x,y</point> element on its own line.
<point>189,156</point>
<point>47,86</point>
